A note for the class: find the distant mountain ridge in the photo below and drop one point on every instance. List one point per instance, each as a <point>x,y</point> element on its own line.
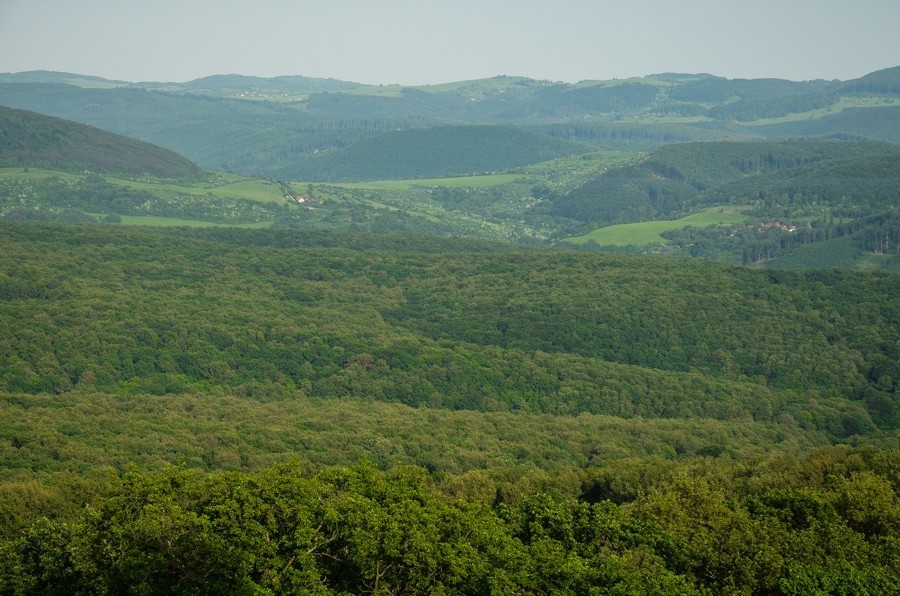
<point>280,125</point>
<point>28,138</point>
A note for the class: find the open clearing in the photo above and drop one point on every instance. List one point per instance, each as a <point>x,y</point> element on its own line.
<point>648,232</point>
<point>252,189</point>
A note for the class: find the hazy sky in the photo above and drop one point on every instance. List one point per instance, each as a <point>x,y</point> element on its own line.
<point>423,41</point>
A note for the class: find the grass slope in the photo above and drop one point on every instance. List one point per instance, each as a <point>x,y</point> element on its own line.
<point>648,232</point>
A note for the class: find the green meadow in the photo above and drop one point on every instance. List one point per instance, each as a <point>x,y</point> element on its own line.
<point>648,232</point>
<point>230,187</point>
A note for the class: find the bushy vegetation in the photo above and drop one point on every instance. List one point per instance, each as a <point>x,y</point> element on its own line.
<point>826,523</point>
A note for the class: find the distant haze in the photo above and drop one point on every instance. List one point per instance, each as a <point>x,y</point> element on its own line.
<point>425,42</point>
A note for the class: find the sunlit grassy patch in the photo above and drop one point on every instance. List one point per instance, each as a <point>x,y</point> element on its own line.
<point>648,232</point>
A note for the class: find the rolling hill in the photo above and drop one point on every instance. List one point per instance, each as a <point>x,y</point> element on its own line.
<point>678,178</point>
<point>31,139</point>
<point>273,126</point>
<point>885,81</point>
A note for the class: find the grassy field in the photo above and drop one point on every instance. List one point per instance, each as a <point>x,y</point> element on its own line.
<point>648,232</point>
<point>235,187</point>
<point>256,190</point>
<point>153,220</point>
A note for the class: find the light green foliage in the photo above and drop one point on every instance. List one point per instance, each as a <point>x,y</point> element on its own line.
<point>703,527</point>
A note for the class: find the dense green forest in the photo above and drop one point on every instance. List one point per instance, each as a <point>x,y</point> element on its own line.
<point>33,139</point>
<point>408,320</point>
<point>824,524</point>
<point>260,410</point>
<point>432,152</point>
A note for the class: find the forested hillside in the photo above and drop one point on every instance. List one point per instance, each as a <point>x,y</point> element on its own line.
<point>408,320</point>
<point>575,421</point>
<point>850,178</point>
<point>792,193</point>
<point>429,153</point>
<point>30,139</point>
<point>885,81</point>
<point>877,123</point>
<point>214,132</point>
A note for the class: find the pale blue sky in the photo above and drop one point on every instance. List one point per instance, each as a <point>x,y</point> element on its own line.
<point>420,41</point>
